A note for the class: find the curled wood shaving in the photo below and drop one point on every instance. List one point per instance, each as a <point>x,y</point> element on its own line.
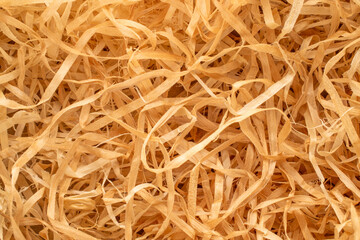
<point>181,119</point>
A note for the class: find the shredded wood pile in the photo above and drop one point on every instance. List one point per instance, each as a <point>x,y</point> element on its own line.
<point>179,119</point>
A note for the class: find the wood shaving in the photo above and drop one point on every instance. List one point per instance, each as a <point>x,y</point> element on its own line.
<point>179,119</point>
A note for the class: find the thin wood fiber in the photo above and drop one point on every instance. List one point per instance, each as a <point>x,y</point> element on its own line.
<point>179,119</point>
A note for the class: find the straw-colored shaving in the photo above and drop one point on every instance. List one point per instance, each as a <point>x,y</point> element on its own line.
<point>179,119</point>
